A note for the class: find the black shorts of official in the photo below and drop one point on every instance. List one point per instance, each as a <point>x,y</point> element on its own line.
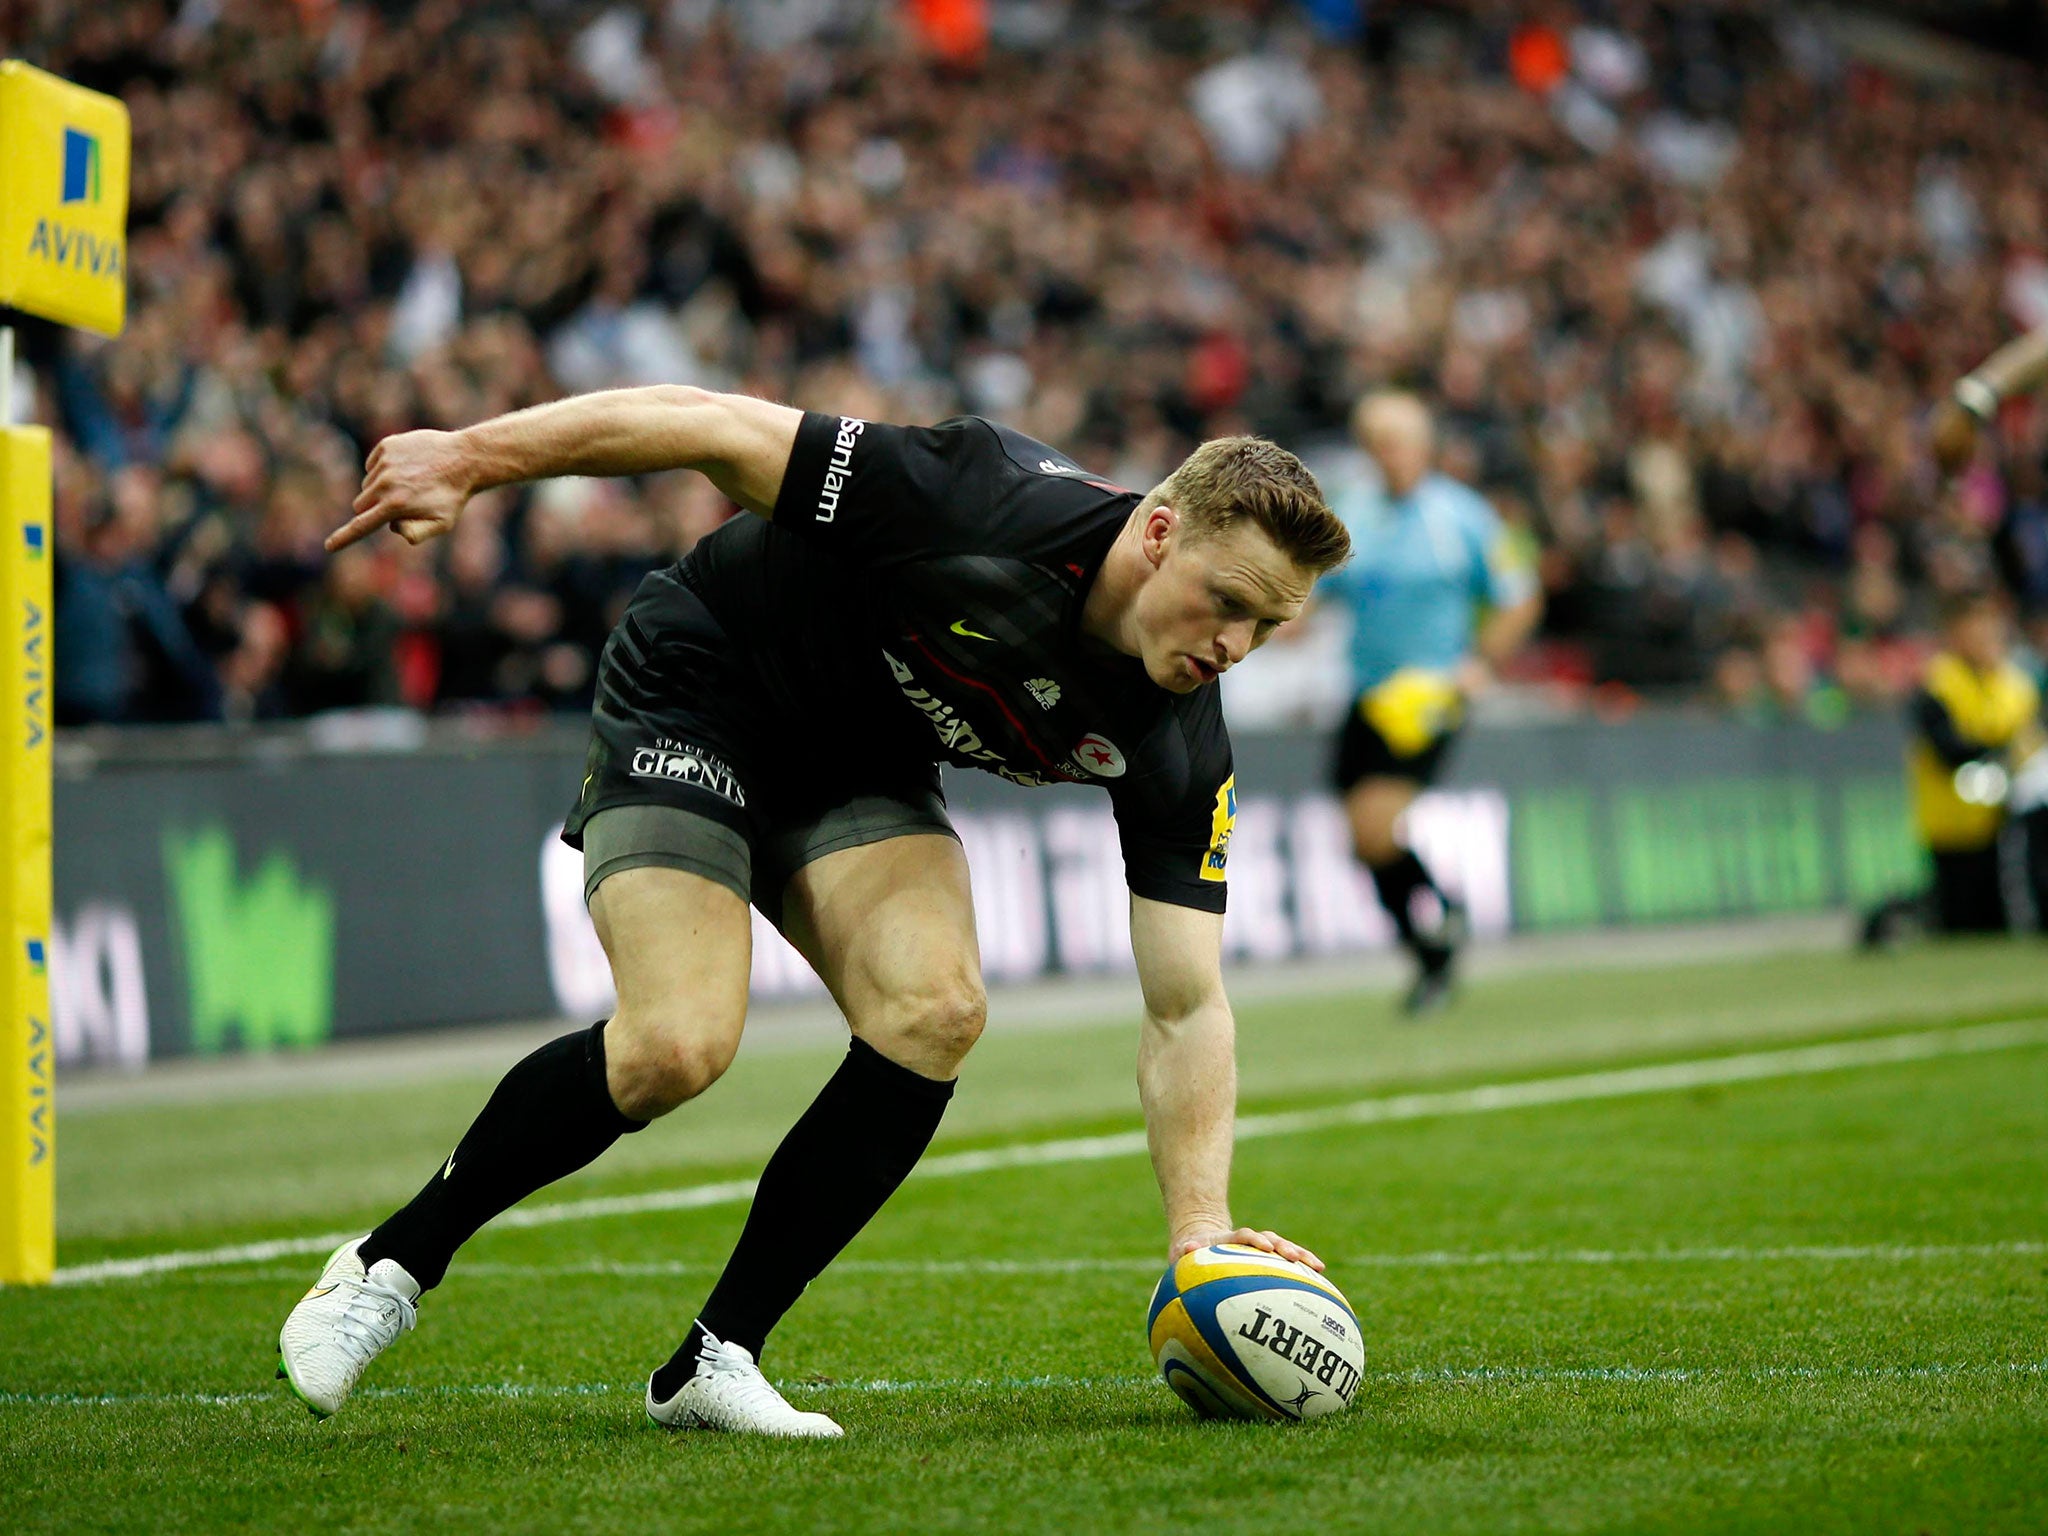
<point>1363,753</point>
<point>2034,840</point>
<point>691,767</point>
<point>1969,891</point>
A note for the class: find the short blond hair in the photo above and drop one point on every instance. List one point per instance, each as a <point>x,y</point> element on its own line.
<point>1230,479</point>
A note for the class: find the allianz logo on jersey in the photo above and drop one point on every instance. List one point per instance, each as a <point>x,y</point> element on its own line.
<point>954,733</point>
<point>839,467</point>
<point>688,765</point>
<point>1094,755</point>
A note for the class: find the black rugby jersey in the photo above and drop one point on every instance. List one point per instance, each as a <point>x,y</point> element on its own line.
<point>933,578</point>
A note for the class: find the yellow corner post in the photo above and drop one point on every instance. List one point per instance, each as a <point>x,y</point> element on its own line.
<point>63,256</point>
<point>28,1186</point>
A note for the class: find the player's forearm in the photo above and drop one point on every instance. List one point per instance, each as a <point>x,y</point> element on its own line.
<point>612,432</point>
<point>1187,1081</point>
<point>741,444</point>
<point>2015,368</point>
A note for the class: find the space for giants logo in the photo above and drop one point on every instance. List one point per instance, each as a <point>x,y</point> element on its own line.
<point>839,466</point>
<point>688,765</point>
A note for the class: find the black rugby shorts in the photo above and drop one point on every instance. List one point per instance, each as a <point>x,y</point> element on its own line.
<point>693,766</point>
<point>1363,753</point>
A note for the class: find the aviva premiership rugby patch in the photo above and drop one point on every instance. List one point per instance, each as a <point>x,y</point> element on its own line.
<point>1220,823</point>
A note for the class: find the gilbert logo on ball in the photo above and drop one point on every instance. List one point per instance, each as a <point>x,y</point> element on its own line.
<point>1243,1334</point>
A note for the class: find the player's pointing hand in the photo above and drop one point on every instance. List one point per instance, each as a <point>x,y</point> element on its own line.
<point>415,483</point>
<point>1952,433</point>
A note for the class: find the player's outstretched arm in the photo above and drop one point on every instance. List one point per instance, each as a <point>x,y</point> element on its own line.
<point>418,482</point>
<point>1187,1077</point>
<point>2018,366</point>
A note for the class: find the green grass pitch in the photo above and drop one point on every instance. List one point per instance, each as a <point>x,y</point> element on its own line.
<point>1802,1303</point>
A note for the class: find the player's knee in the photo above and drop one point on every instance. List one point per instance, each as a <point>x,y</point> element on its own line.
<point>931,1030</point>
<point>1379,850</point>
<point>1374,839</point>
<point>946,1020</point>
<point>662,1058</point>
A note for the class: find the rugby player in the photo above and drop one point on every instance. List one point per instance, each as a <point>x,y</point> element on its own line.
<point>1431,555</point>
<point>770,716</point>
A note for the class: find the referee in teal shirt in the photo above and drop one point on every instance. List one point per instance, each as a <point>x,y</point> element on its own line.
<point>1440,594</point>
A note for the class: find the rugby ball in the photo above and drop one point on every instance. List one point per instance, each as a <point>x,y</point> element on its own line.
<point>1239,1333</point>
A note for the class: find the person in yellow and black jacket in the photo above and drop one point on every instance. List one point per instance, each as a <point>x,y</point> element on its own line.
<point>1976,724</point>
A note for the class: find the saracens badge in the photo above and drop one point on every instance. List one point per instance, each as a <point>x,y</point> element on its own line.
<point>1100,757</point>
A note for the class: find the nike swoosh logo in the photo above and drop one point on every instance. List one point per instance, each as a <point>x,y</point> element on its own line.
<point>451,1166</point>
<point>318,1290</point>
<point>960,628</point>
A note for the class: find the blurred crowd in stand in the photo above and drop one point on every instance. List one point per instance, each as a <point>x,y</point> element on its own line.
<point>1682,279</point>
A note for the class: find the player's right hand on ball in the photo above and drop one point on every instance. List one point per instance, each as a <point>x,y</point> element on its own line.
<point>1247,1237</point>
<point>1952,433</point>
<point>415,483</point>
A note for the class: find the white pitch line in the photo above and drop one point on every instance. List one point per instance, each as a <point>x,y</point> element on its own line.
<point>1420,1376</point>
<point>1837,1253</point>
<point>1881,1253</point>
<point>1627,1082</point>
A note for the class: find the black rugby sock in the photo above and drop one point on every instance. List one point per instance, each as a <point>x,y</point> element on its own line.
<point>1397,882</point>
<point>834,1170</point>
<point>550,1115</point>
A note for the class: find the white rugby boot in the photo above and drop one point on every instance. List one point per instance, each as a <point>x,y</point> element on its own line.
<point>729,1392</point>
<point>343,1323</point>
